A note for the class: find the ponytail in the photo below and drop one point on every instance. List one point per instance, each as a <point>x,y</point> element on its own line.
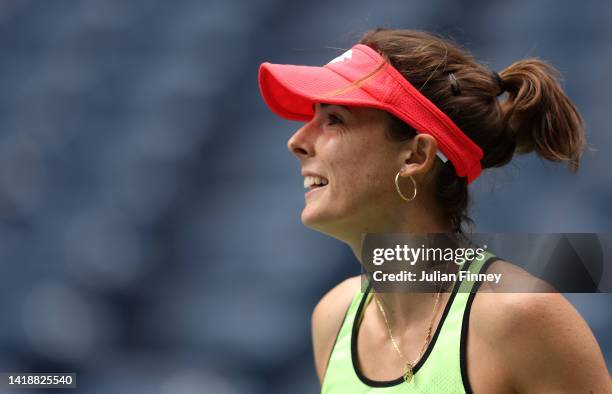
<point>538,115</point>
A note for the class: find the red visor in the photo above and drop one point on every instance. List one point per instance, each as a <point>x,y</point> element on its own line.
<point>290,91</point>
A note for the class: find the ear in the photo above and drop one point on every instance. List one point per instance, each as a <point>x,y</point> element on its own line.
<point>419,155</point>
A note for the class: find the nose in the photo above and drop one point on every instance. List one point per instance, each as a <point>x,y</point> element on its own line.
<point>301,143</point>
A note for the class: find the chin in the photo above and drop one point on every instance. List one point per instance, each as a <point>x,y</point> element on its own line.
<point>325,223</point>
<point>313,219</point>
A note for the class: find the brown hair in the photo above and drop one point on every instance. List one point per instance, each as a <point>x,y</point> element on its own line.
<point>536,115</point>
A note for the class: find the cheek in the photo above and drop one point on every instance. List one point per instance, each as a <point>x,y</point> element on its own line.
<point>378,183</point>
<point>363,174</point>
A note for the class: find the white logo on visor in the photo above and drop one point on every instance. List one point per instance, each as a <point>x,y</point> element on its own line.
<point>346,55</point>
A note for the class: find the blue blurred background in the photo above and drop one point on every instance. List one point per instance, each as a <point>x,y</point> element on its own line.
<point>150,234</point>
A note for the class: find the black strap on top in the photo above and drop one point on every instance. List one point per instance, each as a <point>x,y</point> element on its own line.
<point>500,83</point>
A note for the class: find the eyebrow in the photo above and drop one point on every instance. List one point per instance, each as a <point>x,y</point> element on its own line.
<point>325,105</point>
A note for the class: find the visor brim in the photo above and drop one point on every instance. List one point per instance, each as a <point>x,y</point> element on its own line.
<point>291,90</point>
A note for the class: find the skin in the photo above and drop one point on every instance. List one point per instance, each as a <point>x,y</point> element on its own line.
<point>516,342</point>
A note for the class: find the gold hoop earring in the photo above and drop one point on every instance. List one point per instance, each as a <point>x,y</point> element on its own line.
<point>400,192</point>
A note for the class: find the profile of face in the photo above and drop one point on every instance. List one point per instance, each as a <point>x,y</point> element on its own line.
<point>349,165</point>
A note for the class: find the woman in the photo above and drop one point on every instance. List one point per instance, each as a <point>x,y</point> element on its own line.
<point>395,130</point>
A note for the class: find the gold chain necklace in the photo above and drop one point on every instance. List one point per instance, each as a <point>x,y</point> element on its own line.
<point>408,367</point>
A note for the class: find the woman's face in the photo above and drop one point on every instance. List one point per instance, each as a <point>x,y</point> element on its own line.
<point>348,149</point>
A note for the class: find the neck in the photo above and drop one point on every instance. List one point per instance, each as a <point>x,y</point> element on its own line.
<point>405,309</point>
<point>419,220</point>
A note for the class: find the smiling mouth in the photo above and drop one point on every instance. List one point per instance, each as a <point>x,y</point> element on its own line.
<point>314,182</point>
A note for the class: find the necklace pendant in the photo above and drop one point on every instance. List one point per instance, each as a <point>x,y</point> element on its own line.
<point>408,372</point>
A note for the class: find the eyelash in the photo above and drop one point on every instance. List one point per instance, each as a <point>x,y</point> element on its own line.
<point>335,118</point>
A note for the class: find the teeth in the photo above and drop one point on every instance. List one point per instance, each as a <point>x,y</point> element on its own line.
<point>309,181</point>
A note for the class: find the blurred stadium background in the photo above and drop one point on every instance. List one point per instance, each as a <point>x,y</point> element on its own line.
<point>150,237</point>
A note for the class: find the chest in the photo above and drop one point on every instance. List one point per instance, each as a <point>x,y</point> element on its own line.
<point>478,359</point>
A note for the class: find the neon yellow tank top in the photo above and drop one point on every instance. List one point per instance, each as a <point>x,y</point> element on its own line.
<point>441,369</point>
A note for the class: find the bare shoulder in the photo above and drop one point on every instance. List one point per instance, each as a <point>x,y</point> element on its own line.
<point>514,279</point>
<point>327,318</point>
<point>520,299</point>
<point>541,338</point>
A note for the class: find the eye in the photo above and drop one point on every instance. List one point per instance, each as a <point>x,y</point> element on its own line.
<point>333,119</point>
